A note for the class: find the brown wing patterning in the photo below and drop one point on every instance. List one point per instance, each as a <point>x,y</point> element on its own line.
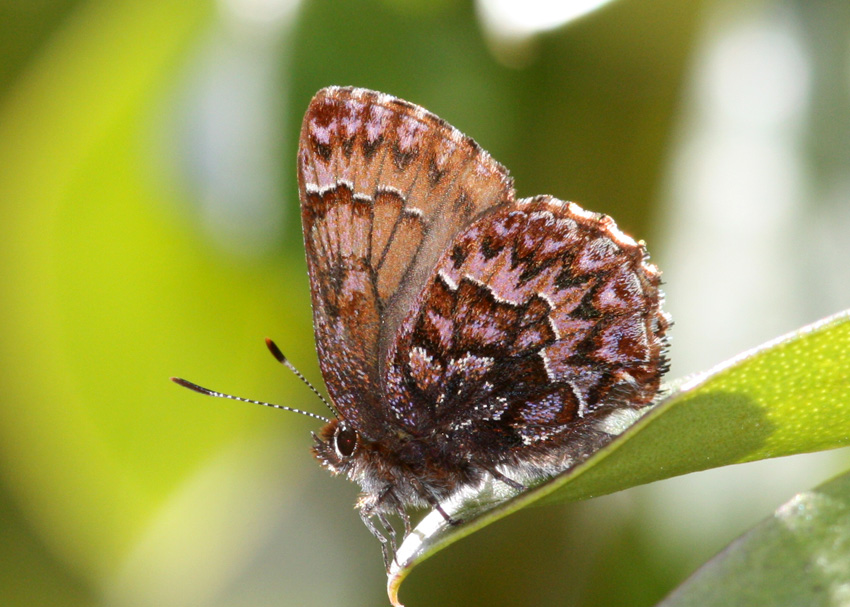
<point>537,318</point>
<point>384,186</point>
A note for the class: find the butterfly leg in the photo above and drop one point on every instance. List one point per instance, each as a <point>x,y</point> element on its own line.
<point>432,500</point>
<point>501,477</point>
<point>508,481</point>
<point>451,521</point>
<point>375,518</point>
<point>387,544</point>
<point>389,530</point>
<point>406,519</point>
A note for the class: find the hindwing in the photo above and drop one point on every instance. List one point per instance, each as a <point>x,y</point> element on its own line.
<point>538,317</point>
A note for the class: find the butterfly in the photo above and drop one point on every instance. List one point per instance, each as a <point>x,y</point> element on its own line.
<point>462,333</point>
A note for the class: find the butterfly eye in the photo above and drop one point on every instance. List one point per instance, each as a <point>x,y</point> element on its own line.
<point>346,441</point>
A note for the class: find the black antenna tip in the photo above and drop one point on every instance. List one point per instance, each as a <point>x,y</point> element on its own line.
<point>275,351</point>
<point>187,384</point>
<point>282,360</point>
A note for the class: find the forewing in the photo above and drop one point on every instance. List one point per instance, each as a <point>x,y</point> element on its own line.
<point>537,318</point>
<point>385,186</point>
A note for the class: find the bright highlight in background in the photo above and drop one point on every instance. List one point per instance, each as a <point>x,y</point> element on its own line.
<point>262,11</point>
<point>524,18</point>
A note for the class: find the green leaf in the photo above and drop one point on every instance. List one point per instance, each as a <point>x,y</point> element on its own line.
<point>798,556</point>
<point>789,396</point>
<point>100,305</point>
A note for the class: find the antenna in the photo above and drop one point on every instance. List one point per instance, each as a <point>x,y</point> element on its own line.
<point>208,392</point>
<point>285,362</point>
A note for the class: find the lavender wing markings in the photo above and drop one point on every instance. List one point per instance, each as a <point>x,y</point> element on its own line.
<point>538,319</point>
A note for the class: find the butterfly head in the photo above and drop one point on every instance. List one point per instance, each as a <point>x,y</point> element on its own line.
<point>373,464</point>
<point>337,446</point>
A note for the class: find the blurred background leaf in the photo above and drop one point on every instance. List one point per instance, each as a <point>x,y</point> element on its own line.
<point>798,556</point>
<point>149,228</point>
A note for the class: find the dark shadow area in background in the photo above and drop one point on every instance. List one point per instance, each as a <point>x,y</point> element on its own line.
<point>24,28</point>
<point>29,573</point>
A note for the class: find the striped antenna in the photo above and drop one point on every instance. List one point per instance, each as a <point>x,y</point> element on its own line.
<point>285,362</point>
<point>208,392</point>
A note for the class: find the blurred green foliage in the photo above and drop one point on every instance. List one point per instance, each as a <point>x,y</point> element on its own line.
<point>798,556</point>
